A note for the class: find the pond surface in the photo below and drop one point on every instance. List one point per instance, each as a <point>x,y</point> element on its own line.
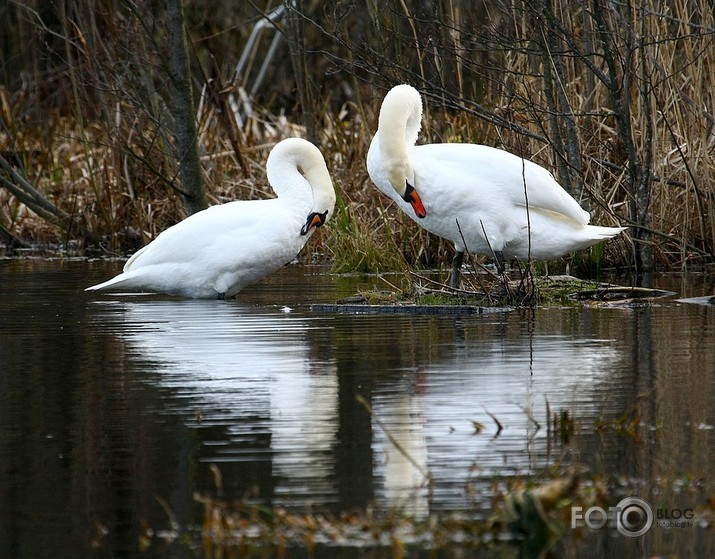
<point>116,410</point>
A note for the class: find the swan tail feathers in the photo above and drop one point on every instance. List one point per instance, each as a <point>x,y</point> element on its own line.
<point>598,232</point>
<point>120,281</point>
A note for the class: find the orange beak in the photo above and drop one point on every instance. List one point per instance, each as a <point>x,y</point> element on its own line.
<point>412,198</point>
<point>314,220</point>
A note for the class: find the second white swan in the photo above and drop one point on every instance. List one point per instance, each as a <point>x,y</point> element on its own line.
<point>473,195</point>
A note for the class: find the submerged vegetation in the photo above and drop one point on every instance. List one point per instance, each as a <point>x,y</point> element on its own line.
<point>616,98</point>
<point>513,515</point>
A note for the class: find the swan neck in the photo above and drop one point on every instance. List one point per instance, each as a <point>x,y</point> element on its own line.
<point>398,127</point>
<point>297,170</point>
<point>285,179</point>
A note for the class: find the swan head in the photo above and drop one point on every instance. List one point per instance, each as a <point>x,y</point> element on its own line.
<point>398,127</point>
<point>299,156</point>
<point>314,220</point>
<point>316,173</point>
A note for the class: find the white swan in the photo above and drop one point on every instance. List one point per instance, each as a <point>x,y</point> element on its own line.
<point>218,251</point>
<point>475,196</point>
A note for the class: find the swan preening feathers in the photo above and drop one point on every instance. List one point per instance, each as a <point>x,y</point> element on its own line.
<point>217,252</point>
<point>485,200</point>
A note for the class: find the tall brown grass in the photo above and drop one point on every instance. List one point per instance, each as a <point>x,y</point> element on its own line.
<point>633,142</point>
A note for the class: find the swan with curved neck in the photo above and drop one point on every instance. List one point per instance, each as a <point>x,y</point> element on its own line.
<point>483,199</point>
<point>217,252</point>
<point>398,126</point>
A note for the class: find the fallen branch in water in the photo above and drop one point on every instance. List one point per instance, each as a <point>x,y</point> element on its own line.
<point>612,292</point>
<point>26,193</point>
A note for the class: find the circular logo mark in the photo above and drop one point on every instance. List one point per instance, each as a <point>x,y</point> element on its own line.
<point>634,517</point>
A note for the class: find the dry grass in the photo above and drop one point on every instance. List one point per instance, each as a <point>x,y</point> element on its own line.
<point>116,175</point>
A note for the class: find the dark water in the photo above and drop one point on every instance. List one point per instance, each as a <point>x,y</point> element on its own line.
<point>116,410</point>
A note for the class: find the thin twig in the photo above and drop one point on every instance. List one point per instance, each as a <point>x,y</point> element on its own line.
<point>500,427</point>
<point>392,438</point>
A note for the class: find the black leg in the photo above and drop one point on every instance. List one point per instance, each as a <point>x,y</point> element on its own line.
<point>456,265</point>
<point>500,262</point>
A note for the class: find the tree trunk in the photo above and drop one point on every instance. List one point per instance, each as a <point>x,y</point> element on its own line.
<point>294,28</point>
<point>184,112</point>
<point>620,86</point>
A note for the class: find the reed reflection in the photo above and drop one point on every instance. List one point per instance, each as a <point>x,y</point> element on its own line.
<point>480,410</point>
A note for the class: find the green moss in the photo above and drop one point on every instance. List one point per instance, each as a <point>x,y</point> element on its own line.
<point>562,289</point>
<point>356,248</point>
<point>526,292</point>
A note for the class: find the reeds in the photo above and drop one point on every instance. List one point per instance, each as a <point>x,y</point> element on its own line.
<point>617,101</point>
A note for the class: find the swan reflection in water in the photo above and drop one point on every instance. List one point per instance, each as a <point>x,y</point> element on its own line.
<point>258,372</point>
<point>249,376</point>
